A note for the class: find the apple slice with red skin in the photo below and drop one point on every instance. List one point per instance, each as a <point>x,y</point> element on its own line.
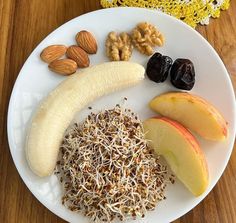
<point>181,151</point>
<point>193,112</point>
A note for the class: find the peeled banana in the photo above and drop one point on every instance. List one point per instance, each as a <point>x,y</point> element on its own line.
<point>57,110</point>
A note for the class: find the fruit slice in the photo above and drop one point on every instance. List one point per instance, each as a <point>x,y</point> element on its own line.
<point>57,111</point>
<point>193,112</point>
<point>181,151</point>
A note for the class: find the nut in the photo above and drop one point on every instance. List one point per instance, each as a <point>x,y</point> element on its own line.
<point>145,36</point>
<point>78,55</point>
<point>86,41</point>
<point>52,53</point>
<point>118,47</point>
<point>63,66</point>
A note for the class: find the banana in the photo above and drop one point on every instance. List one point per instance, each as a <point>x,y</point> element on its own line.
<point>57,110</point>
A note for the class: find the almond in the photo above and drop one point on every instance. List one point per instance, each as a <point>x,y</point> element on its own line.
<point>86,41</point>
<point>52,53</point>
<point>63,66</point>
<point>78,55</point>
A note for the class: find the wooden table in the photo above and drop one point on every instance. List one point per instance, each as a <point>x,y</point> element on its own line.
<point>25,23</point>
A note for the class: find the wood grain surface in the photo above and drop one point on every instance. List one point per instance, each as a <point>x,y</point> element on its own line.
<point>24,24</point>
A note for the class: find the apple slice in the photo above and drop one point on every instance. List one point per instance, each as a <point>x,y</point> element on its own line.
<point>181,151</point>
<point>193,112</point>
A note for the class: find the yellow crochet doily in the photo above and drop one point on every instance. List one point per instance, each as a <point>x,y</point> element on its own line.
<point>190,11</point>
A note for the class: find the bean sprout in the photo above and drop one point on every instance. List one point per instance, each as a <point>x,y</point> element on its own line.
<point>107,170</point>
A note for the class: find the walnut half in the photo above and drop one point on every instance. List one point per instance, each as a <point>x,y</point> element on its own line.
<point>145,36</point>
<point>118,47</point>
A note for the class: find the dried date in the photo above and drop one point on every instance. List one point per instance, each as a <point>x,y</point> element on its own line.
<point>182,74</point>
<point>158,67</point>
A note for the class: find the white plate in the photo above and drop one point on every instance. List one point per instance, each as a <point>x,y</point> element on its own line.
<point>212,83</point>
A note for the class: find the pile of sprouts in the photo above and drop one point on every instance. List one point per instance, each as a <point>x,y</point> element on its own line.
<point>107,170</point>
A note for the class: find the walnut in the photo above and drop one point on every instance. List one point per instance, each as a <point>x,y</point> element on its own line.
<point>145,36</point>
<point>118,47</point>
